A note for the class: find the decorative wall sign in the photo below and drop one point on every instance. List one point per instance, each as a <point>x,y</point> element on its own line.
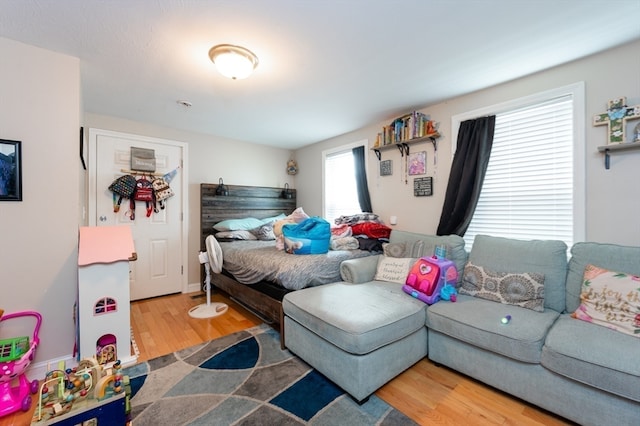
<point>386,168</point>
<point>143,159</point>
<point>423,186</point>
<point>418,163</point>
<point>616,117</point>
<point>10,170</point>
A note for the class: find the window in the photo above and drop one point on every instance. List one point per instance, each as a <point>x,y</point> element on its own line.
<point>534,186</point>
<point>340,193</point>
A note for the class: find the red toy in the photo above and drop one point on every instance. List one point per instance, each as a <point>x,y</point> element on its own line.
<point>15,357</point>
<point>428,277</point>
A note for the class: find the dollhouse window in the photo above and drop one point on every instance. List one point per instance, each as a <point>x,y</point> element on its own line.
<point>105,306</point>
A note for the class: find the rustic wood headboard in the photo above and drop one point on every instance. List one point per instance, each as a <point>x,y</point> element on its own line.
<point>242,201</point>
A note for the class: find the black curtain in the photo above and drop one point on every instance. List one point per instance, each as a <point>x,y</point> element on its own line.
<point>469,166</point>
<point>361,180</point>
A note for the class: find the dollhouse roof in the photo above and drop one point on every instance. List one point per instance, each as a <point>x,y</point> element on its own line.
<point>105,244</point>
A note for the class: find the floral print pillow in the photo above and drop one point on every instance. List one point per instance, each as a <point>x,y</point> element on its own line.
<point>610,299</point>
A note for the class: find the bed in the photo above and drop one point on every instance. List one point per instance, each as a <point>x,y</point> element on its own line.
<point>262,288</point>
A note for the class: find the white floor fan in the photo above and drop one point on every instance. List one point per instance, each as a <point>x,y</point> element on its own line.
<point>212,261</point>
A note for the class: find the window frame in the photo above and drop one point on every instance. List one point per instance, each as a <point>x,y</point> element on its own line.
<point>334,150</point>
<point>577,93</point>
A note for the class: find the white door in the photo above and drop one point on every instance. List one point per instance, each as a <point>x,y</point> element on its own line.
<point>159,238</point>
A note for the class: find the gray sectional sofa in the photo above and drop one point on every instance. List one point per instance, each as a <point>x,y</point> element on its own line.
<point>362,332</point>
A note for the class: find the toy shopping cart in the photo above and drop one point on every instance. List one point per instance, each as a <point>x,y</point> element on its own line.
<point>15,356</point>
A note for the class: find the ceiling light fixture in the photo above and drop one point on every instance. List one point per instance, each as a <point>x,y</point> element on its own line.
<point>234,62</point>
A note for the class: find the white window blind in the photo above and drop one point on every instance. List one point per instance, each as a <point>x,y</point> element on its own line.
<point>340,191</point>
<point>528,188</point>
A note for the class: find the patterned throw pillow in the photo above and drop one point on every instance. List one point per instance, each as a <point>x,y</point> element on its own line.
<point>393,269</point>
<point>404,249</point>
<point>610,299</point>
<point>520,289</point>
<point>264,233</point>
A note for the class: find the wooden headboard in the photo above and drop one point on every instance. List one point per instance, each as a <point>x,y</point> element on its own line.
<point>242,201</point>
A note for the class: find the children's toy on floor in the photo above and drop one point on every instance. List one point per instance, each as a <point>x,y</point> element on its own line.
<point>79,388</point>
<point>15,357</point>
<point>431,279</point>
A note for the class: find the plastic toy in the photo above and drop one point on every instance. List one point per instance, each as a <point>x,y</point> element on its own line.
<point>63,389</point>
<point>428,276</point>
<point>16,356</point>
<point>448,292</point>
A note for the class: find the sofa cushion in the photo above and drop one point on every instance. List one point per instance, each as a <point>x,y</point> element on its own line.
<point>358,318</point>
<point>596,356</point>
<point>454,245</point>
<point>546,257</point>
<point>609,256</point>
<point>519,289</point>
<point>610,299</point>
<point>478,322</point>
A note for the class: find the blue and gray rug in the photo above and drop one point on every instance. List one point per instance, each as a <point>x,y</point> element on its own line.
<point>245,379</point>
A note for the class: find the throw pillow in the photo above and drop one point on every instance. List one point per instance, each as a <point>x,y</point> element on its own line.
<point>610,299</point>
<point>520,289</point>
<point>412,249</point>
<point>235,235</point>
<point>393,269</point>
<point>264,233</point>
<point>244,224</point>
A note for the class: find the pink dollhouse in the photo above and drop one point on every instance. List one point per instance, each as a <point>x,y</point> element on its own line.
<point>103,312</point>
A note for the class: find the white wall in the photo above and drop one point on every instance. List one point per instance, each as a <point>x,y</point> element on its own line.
<point>210,158</point>
<point>40,106</point>
<point>613,196</point>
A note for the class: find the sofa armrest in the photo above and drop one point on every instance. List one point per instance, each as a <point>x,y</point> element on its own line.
<point>359,270</point>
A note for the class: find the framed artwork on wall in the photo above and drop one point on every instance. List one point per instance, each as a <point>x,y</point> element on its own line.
<point>418,163</point>
<point>385,168</point>
<point>10,170</point>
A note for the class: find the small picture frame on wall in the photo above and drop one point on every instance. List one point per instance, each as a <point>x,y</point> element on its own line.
<point>418,163</point>
<point>386,168</point>
<point>10,170</point>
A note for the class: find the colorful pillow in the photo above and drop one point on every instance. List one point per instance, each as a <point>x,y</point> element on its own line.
<point>238,224</point>
<point>520,289</point>
<point>393,269</point>
<point>610,299</point>
<point>413,249</point>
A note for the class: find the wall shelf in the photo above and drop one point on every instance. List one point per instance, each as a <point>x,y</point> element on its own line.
<point>607,149</point>
<point>403,146</point>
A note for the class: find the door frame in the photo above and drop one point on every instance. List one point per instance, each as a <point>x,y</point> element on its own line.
<point>184,217</point>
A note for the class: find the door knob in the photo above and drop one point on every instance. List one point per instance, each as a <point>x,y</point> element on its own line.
<point>103,218</point>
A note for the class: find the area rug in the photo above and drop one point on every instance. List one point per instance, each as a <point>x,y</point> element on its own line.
<point>245,379</point>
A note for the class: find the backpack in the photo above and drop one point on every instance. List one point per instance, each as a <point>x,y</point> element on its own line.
<point>428,276</point>
<point>122,187</point>
<point>144,192</point>
<point>162,191</point>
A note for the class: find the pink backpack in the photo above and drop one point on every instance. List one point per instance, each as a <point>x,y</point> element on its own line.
<point>428,276</point>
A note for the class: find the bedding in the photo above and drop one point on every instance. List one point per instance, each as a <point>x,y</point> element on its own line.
<point>253,261</point>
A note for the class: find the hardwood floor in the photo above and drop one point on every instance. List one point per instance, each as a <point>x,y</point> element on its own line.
<point>427,393</point>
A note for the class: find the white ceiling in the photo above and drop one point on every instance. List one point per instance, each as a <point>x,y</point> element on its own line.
<point>327,67</point>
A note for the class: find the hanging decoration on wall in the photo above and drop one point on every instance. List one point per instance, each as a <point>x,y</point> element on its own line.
<point>292,167</point>
<point>616,117</point>
<point>143,159</point>
<point>386,168</point>
<point>418,163</point>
